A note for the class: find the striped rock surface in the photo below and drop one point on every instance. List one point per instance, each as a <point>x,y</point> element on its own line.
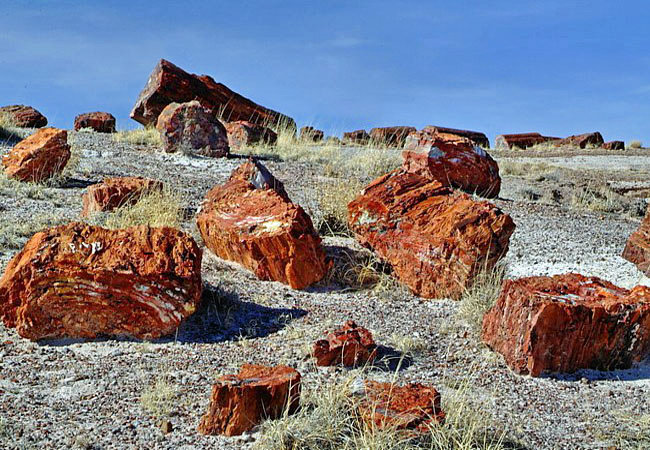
<point>24,116</point>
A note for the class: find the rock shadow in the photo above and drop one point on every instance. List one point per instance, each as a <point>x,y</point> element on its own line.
<point>390,360</point>
<point>260,157</point>
<point>637,372</point>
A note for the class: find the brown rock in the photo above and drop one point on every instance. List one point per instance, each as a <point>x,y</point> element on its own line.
<point>637,248</point>
<point>568,322</point>
<point>115,192</point>
<point>414,406</point>
<point>251,220</point>
<point>79,280</point>
<point>521,140</point>
<point>614,145</point>
<point>240,402</point>
<point>435,239</point>
<point>391,136</point>
<point>311,134</point>
<point>454,161</point>
<point>581,140</point>
<point>24,116</point>
<point>42,155</point>
<point>476,137</point>
<point>171,84</point>
<point>102,122</point>
<point>356,137</point>
<point>243,133</point>
<point>350,346</point>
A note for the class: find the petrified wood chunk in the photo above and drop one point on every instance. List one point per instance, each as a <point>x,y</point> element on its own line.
<point>614,145</point>
<point>350,346</point>
<point>521,140</point>
<point>356,137</point>
<point>568,322</point>
<point>102,122</point>
<point>391,136</point>
<point>581,140</point>
<point>476,137</point>
<point>42,155</point>
<point>79,280</point>
<point>311,134</point>
<point>24,116</point>
<point>242,133</point>
<point>115,192</point>
<point>637,248</point>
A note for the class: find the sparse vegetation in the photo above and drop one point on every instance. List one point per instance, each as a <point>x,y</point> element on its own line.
<point>7,123</point>
<point>159,398</point>
<point>13,234</point>
<point>146,136</point>
<point>331,217</point>
<point>519,169</point>
<point>480,297</point>
<point>635,144</point>
<point>597,198</point>
<point>155,208</point>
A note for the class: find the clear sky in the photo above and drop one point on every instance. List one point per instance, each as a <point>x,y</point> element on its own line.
<point>559,67</point>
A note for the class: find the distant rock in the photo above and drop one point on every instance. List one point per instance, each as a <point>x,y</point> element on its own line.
<point>568,322</point>
<point>391,136</point>
<point>42,155</point>
<point>192,129</point>
<point>521,140</point>
<point>435,239</point>
<point>637,248</point>
<point>101,122</point>
<point>311,134</point>
<point>115,192</point>
<point>82,281</point>
<point>242,133</point>
<point>171,84</point>
<point>241,402</point>
<point>581,140</point>
<point>24,116</point>
<point>251,220</point>
<point>614,145</point>
<point>476,137</point>
<point>349,346</point>
<point>356,137</point>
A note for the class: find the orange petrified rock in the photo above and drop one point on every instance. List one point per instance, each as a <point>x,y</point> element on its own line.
<point>391,136</point>
<point>637,248</point>
<point>240,402</point>
<point>242,133</point>
<point>39,157</point>
<point>24,116</point>
<point>101,122</point>
<point>79,280</point>
<point>568,322</point>
<point>251,220</point>
<point>115,192</point>
<point>350,346</point>
<point>436,240</point>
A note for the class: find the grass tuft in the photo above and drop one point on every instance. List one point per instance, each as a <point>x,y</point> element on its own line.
<point>159,398</point>
<point>331,217</point>
<point>635,144</point>
<point>597,199</point>
<point>147,136</point>
<point>480,297</point>
<point>154,208</point>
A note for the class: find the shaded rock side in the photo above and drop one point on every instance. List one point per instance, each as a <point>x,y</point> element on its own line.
<point>243,133</point>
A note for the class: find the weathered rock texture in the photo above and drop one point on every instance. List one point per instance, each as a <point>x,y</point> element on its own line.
<point>356,137</point>
<point>581,140</point>
<point>568,322</point>
<point>435,239</point>
<point>251,220</point>
<point>614,145</point>
<point>391,136</point>
<point>42,155</point>
<point>79,280</point>
<point>521,140</point>
<point>242,133</point>
<point>102,122</point>
<point>240,402</point>
<point>350,346</point>
<point>414,406</point>
<point>24,116</point>
<point>453,161</point>
<point>637,248</point>
<point>191,128</point>
<point>475,136</point>
<point>171,84</point>
<point>311,134</point>
<point>115,192</point>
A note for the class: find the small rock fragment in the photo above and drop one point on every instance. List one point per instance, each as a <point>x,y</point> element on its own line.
<point>350,346</point>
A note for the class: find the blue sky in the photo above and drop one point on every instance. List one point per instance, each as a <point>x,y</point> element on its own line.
<point>557,67</point>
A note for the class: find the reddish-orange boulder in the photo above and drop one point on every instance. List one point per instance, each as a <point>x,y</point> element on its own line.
<point>242,133</point>
<point>476,137</point>
<point>42,155</point>
<point>614,145</point>
<point>115,192</point>
<point>436,240</point>
<point>568,322</point>
<point>356,137</point>
<point>521,140</point>
<point>581,140</point>
<point>391,136</point>
<point>102,122</point>
<point>251,220</point>
<point>350,346</point>
<point>79,280</point>
<point>637,248</point>
<point>311,134</point>
<point>171,84</point>
<point>240,402</point>
<point>190,128</point>
<point>454,161</point>
<point>24,116</point>
<point>414,406</point>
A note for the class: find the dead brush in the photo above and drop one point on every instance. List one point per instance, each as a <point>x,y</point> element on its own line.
<point>156,208</point>
<point>159,398</point>
<point>597,199</point>
<point>332,202</point>
<point>480,297</point>
<point>521,169</point>
<point>146,136</point>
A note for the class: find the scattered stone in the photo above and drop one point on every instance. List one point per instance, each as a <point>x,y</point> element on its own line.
<point>614,145</point>
<point>166,426</point>
<point>42,155</point>
<point>240,402</point>
<point>391,136</point>
<point>414,406</point>
<point>476,137</point>
<point>171,84</point>
<point>102,122</point>
<point>356,137</point>
<point>190,128</point>
<point>115,192</point>
<point>242,133</point>
<point>79,280</point>
<point>311,134</point>
<point>436,240</point>
<point>251,220</point>
<point>24,116</point>
<point>521,140</point>
<point>637,248</point>
<point>453,160</point>
<point>568,322</point>
<point>350,346</point>
<point>581,140</point>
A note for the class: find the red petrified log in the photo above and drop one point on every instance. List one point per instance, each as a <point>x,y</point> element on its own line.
<point>24,116</point>
<point>42,155</point>
<point>637,248</point>
<point>568,322</point>
<point>115,192</point>
<point>79,280</point>
<point>242,133</point>
<point>475,136</point>
<point>101,122</point>
<point>350,346</point>
<point>356,137</point>
<point>581,140</point>
<point>240,402</point>
<point>311,134</point>
<point>391,136</point>
<point>521,140</point>
<point>614,145</point>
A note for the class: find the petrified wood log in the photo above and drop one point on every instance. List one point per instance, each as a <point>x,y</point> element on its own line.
<point>24,116</point>
<point>242,133</point>
<point>102,122</point>
<point>475,136</point>
<point>581,140</point>
<point>637,248</point>
<point>391,136</point>
<point>521,140</point>
<point>42,155</point>
<point>115,192</point>
<point>350,346</point>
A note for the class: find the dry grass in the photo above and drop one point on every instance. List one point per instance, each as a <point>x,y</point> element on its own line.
<point>332,198</point>
<point>480,297</point>
<point>520,169</point>
<point>147,136</point>
<point>597,199</point>
<point>7,123</point>
<point>635,144</point>
<point>159,398</point>
<point>14,233</point>
<point>155,208</point>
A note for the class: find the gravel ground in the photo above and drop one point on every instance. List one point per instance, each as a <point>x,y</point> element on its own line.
<point>86,394</point>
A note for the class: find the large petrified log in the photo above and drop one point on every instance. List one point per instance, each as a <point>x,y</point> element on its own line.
<point>391,136</point>
<point>169,83</point>
<point>24,116</point>
<point>453,160</point>
<point>521,140</point>
<point>251,220</point>
<point>102,122</point>
<point>240,402</point>
<point>350,346</point>
<point>436,240</point>
<point>614,145</point>
<point>311,134</point>
<point>637,248</point>
<point>242,133</point>
<point>475,136</point>
<point>568,322</point>
<point>594,139</point>
<point>79,280</point>
<point>356,137</point>
<point>115,192</point>
<point>42,155</point>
